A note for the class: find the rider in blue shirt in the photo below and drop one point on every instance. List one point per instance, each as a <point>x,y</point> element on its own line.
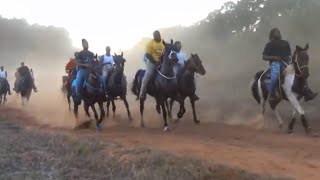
<point>84,60</point>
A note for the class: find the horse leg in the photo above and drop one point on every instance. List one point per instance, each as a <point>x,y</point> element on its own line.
<point>98,126</point>
<point>69,101</point>
<point>194,112</point>
<point>113,108</point>
<point>108,106</point>
<point>124,98</point>
<point>168,109</point>
<point>102,112</point>
<point>96,117</point>
<point>305,124</point>
<point>86,109</point>
<point>164,114</point>
<point>75,110</point>
<point>292,122</point>
<point>182,108</point>
<point>141,112</point>
<point>279,118</point>
<point>158,108</point>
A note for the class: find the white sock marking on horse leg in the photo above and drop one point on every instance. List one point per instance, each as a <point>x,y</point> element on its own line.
<point>293,114</point>
<point>291,95</point>
<point>262,102</point>
<point>280,121</point>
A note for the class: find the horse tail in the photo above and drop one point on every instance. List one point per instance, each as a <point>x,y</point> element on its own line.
<point>255,86</point>
<point>135,84</point>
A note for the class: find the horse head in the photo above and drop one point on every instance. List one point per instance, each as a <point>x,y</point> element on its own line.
<point>194,64</point>
<point>119,62</point>
<point>95,71</point>
<point>169,55</point>
<point>301,61</point>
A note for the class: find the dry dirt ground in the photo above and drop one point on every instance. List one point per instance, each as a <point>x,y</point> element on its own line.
<point>125,151</point>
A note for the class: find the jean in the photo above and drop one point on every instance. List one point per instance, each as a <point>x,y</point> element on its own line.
<point>82,76</point>
<point>107,70</point>
<point>276,69</point>
<point>150,69</point>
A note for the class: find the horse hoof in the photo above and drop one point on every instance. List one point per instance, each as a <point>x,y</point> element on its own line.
<point>280,126</point>
<point>130,119</point>
<point>196,121</point>
<point>98,127</point>
<point>166,129</point>
<point>180,115</point>
<point>142,125</point>
<point>290,131</point>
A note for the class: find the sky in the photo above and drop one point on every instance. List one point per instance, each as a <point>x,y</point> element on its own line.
<point>117,23</point>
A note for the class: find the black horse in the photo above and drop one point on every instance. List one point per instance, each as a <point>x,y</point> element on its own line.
<point>4,89</point>
<point>117,85</point>
<point>162,86</point>
<point>24,83</point>
<point>92,93</point>
<point>186,83</point>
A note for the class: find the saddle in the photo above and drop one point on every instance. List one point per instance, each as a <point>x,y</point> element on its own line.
<point>265,78</point>
<point>266,81</point>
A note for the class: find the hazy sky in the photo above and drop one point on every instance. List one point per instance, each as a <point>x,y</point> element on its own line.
<point>118,23</point>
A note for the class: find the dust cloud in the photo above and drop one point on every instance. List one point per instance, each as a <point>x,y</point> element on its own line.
<point>231,54</point>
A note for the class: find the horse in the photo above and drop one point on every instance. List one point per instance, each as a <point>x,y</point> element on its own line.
<point>67,81</point>
<point>162,86</point>
<point>25,83</point>
<point>117,85</point>
<point>3,91</point>
<point>295,70</point>
<point>186,84</point>
<point>92,93</point>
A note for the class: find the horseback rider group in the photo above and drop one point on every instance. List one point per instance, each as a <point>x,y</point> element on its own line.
<point>276,51</point>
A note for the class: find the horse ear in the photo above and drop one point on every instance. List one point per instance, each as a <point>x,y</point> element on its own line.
<point>298,48</point>
<point>115,54</point>
<point>121,54</point>
<point>307,47</point>
<point>171,41</point>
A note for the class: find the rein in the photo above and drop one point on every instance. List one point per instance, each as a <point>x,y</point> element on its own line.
<point>166,77</point>
<point>299,68</point>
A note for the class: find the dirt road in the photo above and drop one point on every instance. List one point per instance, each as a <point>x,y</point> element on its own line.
<point>259,151</point>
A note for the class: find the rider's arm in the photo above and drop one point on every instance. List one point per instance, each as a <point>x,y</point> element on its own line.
<point>149,50</point>
<point>6,74</point>
<point>271,58</point>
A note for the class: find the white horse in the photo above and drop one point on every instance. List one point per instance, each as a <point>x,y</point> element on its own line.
<point>297,69</point>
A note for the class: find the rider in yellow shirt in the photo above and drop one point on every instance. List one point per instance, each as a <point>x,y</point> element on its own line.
<point>154,51</point>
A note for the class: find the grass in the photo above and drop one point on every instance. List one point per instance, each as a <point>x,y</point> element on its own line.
<point>26,154</point>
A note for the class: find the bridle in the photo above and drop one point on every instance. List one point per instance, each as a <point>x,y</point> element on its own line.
<point>298,67</point>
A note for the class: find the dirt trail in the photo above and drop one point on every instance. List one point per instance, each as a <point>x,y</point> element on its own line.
<point>259,151</point>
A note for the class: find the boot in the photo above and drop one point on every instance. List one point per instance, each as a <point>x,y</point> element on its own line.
<point>308,94</point>
<point>194,97</point>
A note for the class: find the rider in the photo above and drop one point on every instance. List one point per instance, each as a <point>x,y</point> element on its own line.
<point>154,51</point>
<point>84,59</point>
<point>20,73</point>
<point>70,66</point>
<point>108,63</point>
<point>278,51</point>
<point>4,75</point>
<point>182,58</point>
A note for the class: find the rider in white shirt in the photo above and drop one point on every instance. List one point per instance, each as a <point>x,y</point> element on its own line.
<point>4,75</point>
<point>108,64</point>
<point>182,58</point>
